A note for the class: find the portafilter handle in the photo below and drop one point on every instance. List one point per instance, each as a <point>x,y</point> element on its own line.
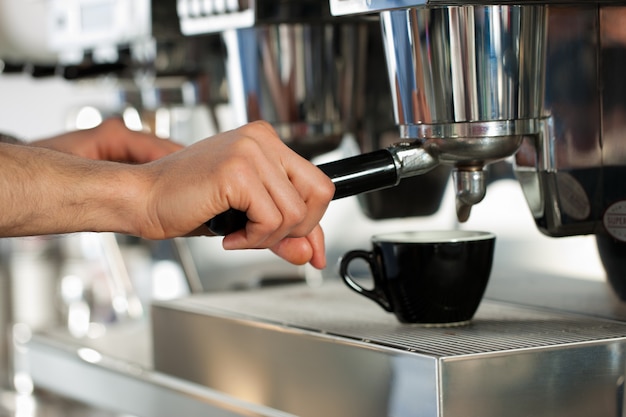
<point>355,175</point>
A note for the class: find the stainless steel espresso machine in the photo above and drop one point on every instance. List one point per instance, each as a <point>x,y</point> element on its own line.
<point>468,86</point>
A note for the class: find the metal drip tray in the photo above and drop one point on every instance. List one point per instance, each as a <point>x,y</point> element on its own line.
<point>326,351</point>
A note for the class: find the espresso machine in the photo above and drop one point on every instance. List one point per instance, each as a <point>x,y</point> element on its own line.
<point>443,91</point>
<point>472,86</point>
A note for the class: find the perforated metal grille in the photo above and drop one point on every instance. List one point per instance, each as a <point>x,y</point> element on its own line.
<point>334,310</point>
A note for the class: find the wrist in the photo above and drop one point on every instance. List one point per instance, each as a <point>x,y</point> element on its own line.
<point>120,200</point>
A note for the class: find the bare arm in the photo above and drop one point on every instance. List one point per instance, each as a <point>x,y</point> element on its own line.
<point>43,191</point>
<point>48,192</point>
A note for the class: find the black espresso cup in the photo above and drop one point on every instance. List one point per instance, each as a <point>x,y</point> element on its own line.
<point>426,277</point>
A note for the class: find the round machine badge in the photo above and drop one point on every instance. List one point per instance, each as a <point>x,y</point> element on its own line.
<point>614,220</point>
<point>574,200</point>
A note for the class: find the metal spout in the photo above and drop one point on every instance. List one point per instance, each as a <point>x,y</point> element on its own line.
<point>470,190</point>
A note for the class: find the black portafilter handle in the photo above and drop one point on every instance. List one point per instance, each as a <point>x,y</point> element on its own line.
<point>351,176</point>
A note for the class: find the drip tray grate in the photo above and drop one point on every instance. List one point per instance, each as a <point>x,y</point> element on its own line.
<point>333,309</point>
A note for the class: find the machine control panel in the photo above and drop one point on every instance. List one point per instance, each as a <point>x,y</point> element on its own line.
<point>211,16</point>
<point>100,27</point>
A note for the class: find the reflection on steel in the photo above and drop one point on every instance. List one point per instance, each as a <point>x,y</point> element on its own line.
<point>302,78</point>
<point>465,63</point>
<point>571,172</point>
<point>324,351</point>
<point>125,369</point>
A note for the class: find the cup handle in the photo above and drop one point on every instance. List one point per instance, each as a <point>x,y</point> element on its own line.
<point>376,294</point>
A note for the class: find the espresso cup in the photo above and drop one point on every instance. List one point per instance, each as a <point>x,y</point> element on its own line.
<point>426,277</point>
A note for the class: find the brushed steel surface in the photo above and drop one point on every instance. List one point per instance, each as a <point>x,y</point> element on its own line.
<point>465,63</point>
<point>331,310</point>
<point>478,67</point>
<point>325,351</point>
<point>114,373</point>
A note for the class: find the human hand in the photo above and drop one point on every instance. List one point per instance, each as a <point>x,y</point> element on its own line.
<point>248,169</point>
<point>111,141</point>
<point>172,191</point>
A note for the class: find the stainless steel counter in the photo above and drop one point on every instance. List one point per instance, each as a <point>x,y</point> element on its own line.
<point>297,350</point>
<point>325,351</point>
<point>115,373</point>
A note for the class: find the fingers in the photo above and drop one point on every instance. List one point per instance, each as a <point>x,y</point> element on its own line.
<point>118,143</point>
<point>316,190</point>
<point>143,148</point>
<point>295,237</point>
<point>309,249</point>
<point>111,141</point>
<point>318,245</point>
<point>288,199</point>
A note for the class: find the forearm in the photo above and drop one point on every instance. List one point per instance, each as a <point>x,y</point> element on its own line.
<point>49,192</point>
